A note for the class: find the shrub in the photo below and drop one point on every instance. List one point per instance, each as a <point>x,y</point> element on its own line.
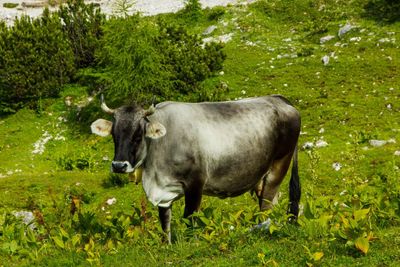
<point>82,24</point>
<point>383,10</point>
<point>35,60</point>
<point>215,13</point>
<point>192,10</point>
<point>142,59</point>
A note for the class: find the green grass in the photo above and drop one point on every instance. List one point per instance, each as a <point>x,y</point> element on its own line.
<point>354,99</point>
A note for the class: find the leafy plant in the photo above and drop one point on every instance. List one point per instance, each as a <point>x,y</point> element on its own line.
<point>115,179</point>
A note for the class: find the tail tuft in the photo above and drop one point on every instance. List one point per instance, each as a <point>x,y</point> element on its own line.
<point>294,188</point>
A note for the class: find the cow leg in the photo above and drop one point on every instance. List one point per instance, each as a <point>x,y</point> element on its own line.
<point>165,219</point>
<point>192,198</point>
<point>273,180</point>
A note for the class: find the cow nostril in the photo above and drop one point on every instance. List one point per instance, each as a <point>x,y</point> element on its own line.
<point>119,166</point>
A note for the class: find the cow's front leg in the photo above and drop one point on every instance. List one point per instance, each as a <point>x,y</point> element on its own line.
<point>165,219</point>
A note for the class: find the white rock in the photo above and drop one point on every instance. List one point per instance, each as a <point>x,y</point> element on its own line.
<point>321,143</point>
<point>27,218</point>
<point>222,38</point>
<point>262,226</point>
<point>377,143</point>
<point>336,166</point>
<point>325,60</point>
<point>326,38</point>
<point>210,29</point>
<point>345,29</point>
<point>308,145</point>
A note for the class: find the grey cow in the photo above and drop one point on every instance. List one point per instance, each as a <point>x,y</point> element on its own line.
<point>221,149</point>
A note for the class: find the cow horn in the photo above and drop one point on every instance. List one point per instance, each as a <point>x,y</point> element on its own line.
<point>150,111</point>
<point>104,106</point>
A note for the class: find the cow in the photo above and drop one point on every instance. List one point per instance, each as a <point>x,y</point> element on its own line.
<point>221,149</point>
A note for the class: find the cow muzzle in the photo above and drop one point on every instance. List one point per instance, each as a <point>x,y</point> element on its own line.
<point>121,167</point>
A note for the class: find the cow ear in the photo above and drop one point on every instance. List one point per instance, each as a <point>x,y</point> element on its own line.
<point>101,127</point>
<point>155,130</point>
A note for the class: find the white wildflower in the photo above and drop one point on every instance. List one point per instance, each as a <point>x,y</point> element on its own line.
<point>355,39</point>
<point>62,119</point>
<point>336,166</point>
<point>111,201</point>
<point>40,144</point>
<point>250,43</point>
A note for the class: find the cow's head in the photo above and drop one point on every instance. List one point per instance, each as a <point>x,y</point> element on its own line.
<point>129,130</point>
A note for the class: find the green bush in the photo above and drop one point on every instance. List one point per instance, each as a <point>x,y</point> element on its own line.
<point>141,59</point>
<point>35,61</point>
<point>82,23</point>
<point>192,10</point>
<point>383,10</point>
<point>215,13</point>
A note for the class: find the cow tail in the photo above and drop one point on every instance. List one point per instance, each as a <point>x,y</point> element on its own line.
<point>294,187</point>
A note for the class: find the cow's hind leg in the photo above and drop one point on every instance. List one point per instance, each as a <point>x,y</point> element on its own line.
<point>193,196</point>
<point>273,180</point>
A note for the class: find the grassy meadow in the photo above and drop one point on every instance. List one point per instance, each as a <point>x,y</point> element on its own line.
<point>347,89</point>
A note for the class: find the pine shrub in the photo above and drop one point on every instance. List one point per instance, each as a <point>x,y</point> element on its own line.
<point>141,59</point>
<point>35,61</point>
<point>83,26</point>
